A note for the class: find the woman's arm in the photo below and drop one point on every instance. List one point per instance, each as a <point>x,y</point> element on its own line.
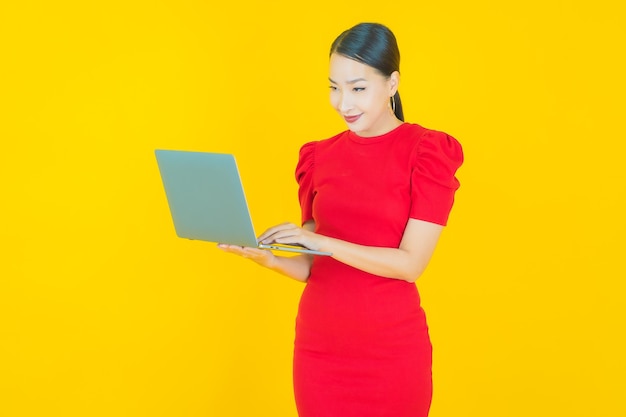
<point>407,262</point>
<point>297,267</point>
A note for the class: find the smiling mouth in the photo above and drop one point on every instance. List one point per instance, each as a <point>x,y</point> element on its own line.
<point>351,119</point>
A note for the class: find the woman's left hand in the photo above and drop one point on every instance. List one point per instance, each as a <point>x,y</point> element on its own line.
<point>290,234</point>
<point>261,256</point>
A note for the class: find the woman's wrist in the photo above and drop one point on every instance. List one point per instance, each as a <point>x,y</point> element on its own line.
<point>323,244</point>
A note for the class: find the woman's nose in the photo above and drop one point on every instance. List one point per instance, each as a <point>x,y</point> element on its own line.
<point>345,103</point>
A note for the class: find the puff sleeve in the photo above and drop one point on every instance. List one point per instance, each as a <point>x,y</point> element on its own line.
<point>433,182</point>
<point>304,177</point>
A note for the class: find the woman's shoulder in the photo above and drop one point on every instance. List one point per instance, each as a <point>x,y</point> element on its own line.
<point>423,137</point>
<point>333,139</point>
<point>311,147</point>
<point>435,149</point>
<point>311,151</point>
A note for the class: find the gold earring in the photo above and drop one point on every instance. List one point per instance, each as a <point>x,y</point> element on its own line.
<point>393,103</point>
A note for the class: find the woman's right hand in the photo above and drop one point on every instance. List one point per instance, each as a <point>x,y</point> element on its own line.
<point>262,257</point>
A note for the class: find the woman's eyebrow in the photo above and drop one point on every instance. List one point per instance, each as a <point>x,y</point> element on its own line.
<point>356,80</point>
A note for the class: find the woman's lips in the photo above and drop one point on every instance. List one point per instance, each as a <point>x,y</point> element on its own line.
<point>352,119</point>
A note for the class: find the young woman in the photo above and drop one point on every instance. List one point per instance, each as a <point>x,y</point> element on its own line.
<point>376,196</point>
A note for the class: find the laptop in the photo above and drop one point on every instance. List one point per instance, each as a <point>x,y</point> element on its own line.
<point>207,202</point>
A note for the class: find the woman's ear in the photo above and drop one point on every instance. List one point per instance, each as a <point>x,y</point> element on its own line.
<point>394,82</point>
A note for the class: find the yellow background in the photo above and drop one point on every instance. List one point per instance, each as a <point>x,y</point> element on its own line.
<point>104,312</point>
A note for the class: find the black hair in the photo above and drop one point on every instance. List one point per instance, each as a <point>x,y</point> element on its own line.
<point>374,45</point>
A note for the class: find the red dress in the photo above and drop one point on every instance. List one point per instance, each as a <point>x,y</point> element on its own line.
<point>362,347</point>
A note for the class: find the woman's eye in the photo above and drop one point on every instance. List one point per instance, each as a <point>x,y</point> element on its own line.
<point>357,89</point>
<point>333,88</point>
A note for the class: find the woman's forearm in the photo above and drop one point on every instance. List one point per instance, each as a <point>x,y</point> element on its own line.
<point>407,262</point>
<point>385,262</point>
<point>296,267</point>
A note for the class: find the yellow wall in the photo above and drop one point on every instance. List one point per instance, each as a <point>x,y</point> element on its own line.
<point>104,312</point>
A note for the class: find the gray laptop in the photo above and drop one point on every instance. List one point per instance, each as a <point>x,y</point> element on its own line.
<point>206,199</point>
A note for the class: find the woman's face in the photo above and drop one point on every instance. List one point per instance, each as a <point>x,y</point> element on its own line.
<point>360,94</point>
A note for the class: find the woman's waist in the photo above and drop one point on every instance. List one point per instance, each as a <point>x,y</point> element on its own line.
<point>327,320</point>
<point>358,300</point>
